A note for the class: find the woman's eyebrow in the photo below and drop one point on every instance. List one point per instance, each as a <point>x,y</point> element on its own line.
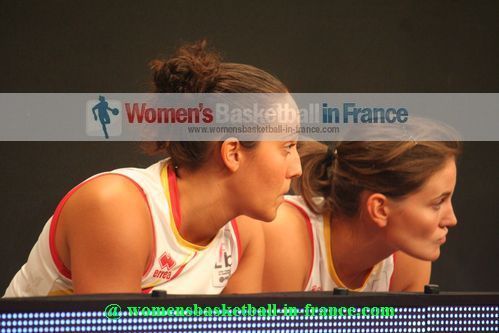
<point>445,194</point>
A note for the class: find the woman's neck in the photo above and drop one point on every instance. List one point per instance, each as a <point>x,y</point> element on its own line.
<point>356,247</point>
<point>204,206</point>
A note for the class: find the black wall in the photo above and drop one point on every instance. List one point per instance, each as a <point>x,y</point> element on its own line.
<point>328,46</point>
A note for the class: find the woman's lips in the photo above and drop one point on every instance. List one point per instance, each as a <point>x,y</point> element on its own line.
<point>442,240</point>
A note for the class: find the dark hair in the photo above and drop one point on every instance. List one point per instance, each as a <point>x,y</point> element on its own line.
<point>341,173</point>
<point>194,68</point>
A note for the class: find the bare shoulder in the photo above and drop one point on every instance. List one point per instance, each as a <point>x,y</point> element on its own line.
<point>250,231</point>
<point>288,251</point>
<point>106,202</point>
<point>289,228</point>
<point>105,227</point>
<point>409,274</point>
<point>248,276</point>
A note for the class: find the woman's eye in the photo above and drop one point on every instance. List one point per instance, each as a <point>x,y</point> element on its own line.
<point>438,204</point>
<point>289,147</point>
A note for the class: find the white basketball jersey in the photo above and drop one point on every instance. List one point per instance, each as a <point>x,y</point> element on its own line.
<point>178,266</point>
<point>323,275</point>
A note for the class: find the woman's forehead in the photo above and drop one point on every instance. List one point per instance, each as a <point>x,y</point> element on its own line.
<point>440,182</point>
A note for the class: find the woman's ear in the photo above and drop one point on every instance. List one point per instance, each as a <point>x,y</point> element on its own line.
<point>377,208</point>
<point>230,152</point>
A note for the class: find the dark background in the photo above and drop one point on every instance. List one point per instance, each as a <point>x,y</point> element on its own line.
<point>328,46</point>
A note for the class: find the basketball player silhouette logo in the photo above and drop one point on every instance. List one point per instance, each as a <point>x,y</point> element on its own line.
<point>102,114</point>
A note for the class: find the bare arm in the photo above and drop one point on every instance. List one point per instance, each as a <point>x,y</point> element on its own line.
<point>108,234</point>
<point>410,274</point>
<point>288,256</point>
<point>248,276</point>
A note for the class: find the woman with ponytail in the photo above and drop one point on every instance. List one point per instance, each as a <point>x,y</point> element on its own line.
<point>371,216</point>
<point>171,226</point>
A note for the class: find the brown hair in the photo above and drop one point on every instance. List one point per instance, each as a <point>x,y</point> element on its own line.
<point>340,174</point>
<point>194,68</point>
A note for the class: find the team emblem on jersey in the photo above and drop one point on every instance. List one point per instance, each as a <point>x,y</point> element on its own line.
<point>165,262</point>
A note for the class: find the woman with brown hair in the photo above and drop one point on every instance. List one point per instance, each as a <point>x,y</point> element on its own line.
<point>171,226</point>
<point>371,216</point>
